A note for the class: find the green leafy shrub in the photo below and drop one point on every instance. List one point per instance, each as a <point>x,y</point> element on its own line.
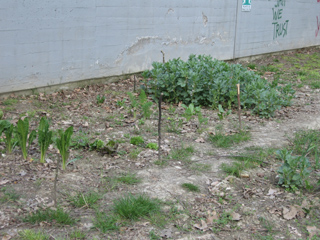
<point>137,140</point>
<point>22,131</point>
<point>203,81</point>
<point>294,172</point>
<point>44,137</point>
<point>63,144</point>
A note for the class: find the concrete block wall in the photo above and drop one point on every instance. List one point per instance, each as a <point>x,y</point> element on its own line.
<point>45,43</point>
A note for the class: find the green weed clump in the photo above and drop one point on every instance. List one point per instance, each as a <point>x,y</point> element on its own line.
<point>190,187</point>
<point>224,141</point>
<point>22,131</point>
<point>206,82</point>
<point>29,234</point>
<point>134,207</point>
<point>137,141</point>
<point>153,146</point>
<point>49,215</point>
<point>88,199</point>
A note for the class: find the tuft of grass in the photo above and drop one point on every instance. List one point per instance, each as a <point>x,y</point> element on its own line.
<point>182,153</point>
<point>129,178</point>
<point>9,195</point>
<point>137,141</point>
<point>49,215</point>
<point>190,187</point>
<point>9,101</point>
<point>29,234</point>
<point>225,141</point>
<point>200,167</point>
<point>88,199</point>
<point>77,235</point>
<point>134,153</point>
<point>106,222</point>
<point>134,207</point>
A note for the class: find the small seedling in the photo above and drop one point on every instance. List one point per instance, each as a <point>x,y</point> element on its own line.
<point>190,187</point>
<point>44,137</point>
<point>100,99</point>
<point>63,144</point>
<point>152,146</point>
<point>138,141</point>
<point>222,113</point>
<point>8,128</point>
<point>121,103</point>
<point>22,130</point>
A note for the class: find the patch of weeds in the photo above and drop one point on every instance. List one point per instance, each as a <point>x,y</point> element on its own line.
<point>134,207</point>
<point>235,168</point>
<point>182,154</point>
<point>224,219</point>
<point>29,234</point>
<point>88,199</point>
<point>138,141</point>
<point>79,140</point>
<point>200,167</point>
<point>134,153</point>
<point>252,66</point>
<point>190,187</point>
<point>153,146</point>
<point>173,125</point>
<point>129,178</point>
<point>106,222</point>
<point>154,236</point>
<point>100,99</point>
<point>121,103</point>
<point>9,101</point>
<point>9,195</point>
<point>225,141</point>
<point>49,215</point>
<point>122,152</point>
<point>77,235</point>
<point>306,142</point>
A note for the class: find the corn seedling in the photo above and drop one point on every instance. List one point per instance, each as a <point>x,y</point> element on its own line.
<point>22,131</point>
<point>63,144</point>
<point>44,137</point>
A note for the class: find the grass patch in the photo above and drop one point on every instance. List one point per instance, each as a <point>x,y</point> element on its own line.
<point>106,222</point>
<point>190,187</point>
<point>200,167</point>
<point>129,179</point>
<point>77,235</point>
<point>49,215</point>
<point>225,141</point>
<point>88,199</point>
<point>134,207</point>
<point>182,154</point>
<point>9,195</point>
<point>9,101</point>
<point>134,153</point>
<point>29,234</point>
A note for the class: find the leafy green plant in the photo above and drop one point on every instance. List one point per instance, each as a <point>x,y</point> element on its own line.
<point>134,153</point>
<point>222,113</point>
<point>134,207</point>
<point>153,146</point>
<point>49,215</point>
<point>206,82</point>
<point>1,114</point>
<point>97,145</point>
<point>22,131</point>
<point>44,137</point>
<point>190,187</point>
<point>79,140</point>
<point>173,125</point>
<point>121,103</point>
<point>100,99</point>
<point>137,140</point>
<point>294,172</point>
<point>63,143</point>
<point>189,111</point>
<point>29,234</point>
<point>8,129</point>
<point>140,104</point>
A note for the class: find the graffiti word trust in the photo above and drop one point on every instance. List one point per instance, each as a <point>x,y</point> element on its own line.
<point>280,29</point>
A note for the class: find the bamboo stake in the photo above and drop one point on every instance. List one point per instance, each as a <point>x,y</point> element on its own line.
<point>163,57</point>
<point>239,106</point>
<point>159,129</point>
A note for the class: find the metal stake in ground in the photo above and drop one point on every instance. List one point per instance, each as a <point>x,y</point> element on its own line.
<point>159,129</point>
<point>163,57</point>
<point>239,106</point>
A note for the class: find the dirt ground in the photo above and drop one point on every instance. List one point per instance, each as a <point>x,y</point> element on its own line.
<point>257,207</point>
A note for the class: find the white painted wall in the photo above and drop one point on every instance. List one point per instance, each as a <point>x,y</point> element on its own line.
<point>46,42</point>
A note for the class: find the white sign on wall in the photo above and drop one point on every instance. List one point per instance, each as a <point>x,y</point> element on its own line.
<point>246,5</point>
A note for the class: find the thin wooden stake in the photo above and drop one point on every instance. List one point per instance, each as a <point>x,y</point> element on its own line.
<point>239,106</point>
<point>159,128</point>
<point>55,185</point>
<point>163,57</point>
<point>134,83</point>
